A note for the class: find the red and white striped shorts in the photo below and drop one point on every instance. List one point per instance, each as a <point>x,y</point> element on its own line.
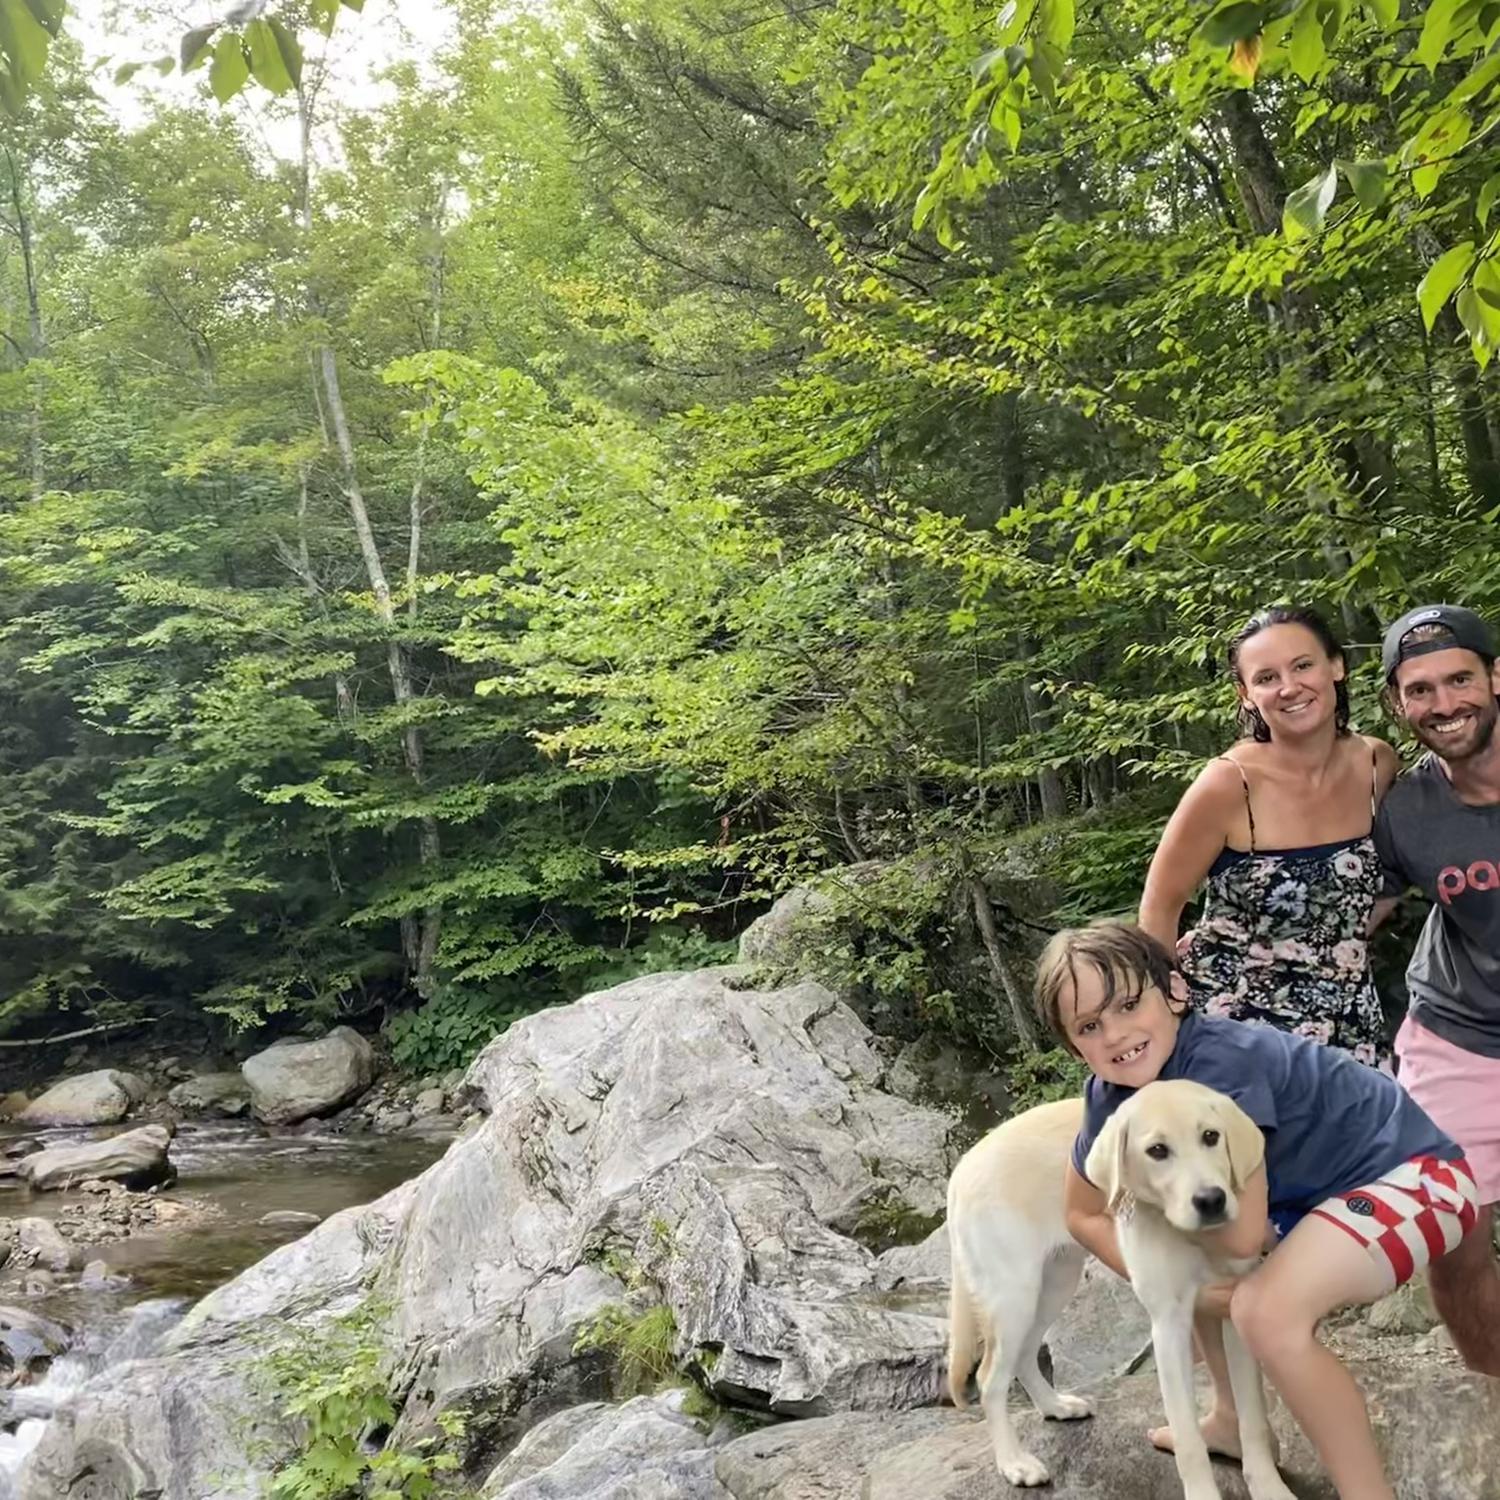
<point>1412,1215</point>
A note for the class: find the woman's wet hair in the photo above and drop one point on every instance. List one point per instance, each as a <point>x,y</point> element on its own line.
<point>1251,724</point>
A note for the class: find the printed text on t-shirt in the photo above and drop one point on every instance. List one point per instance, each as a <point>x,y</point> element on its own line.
<point>1454,880</point>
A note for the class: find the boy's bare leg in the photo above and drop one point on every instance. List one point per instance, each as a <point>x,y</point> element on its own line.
<point>1317,1268</point>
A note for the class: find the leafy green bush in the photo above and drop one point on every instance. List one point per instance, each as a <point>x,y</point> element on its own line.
<point>1044,1077</point>
<point>1098,862</point>
<point>449,1029</point>
<point>339,1397</point>
<point>669,947</point>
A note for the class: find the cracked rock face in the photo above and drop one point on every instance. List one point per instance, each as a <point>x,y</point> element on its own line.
<point>1438,1427</point>
<point>673,1138</point>
<point>643,1450</point>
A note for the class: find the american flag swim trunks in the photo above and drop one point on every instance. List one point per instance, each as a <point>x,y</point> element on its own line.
<point>1412,1215</point>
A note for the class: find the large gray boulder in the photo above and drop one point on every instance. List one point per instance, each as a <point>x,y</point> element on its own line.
<point>1439,1428</point>
<point>675,1137</point>
<point>644,1450</point>
<point>226,1094</point>
<point>137,1158</point>
<point>100,1098</point>
<point>293,1081</point>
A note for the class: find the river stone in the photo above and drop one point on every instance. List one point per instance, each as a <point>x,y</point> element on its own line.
<point>12,1104</point>
<point>26,1338</point>
<point>137,1158</point>
<point>644,1450</point>
<point>292,1081</point>
<point>428,1102</point>
<point>40,1240</point>
<point>100,1098</point>
<point>689,1135</point>
<point>1409,1309</point>
<point>289,1218</point>
<point>225,1094</point>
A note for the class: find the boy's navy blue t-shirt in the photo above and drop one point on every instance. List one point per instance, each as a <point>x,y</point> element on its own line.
<point>1331,1124</point>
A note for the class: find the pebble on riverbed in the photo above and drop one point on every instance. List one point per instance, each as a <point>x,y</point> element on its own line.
<point>288,1218</point>
<point>117,1213</point>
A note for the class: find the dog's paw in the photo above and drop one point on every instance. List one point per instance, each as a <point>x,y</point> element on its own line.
<point>1025,1470</point>
<point>1267,1487</point>
<point>1066,1407</point>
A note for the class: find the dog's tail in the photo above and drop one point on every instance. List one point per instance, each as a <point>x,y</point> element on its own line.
<point>963,1332</point>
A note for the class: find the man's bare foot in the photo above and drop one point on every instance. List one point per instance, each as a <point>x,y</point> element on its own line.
<point>1222,1434</point>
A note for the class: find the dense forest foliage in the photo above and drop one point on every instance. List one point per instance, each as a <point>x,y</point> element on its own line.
<point>667,448</point>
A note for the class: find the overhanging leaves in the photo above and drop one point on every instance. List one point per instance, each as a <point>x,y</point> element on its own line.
<point>1438,285</point>
<point>275,57</point>
<point>1232,23</point>
<point>1306,208</point>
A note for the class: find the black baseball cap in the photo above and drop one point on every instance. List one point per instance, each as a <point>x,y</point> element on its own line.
<point>1459,627</point>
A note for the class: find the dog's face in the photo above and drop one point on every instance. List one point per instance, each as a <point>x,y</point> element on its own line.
<point>1181,1148</point>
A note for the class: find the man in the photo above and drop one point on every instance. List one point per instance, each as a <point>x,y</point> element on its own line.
<point>1439,830</point>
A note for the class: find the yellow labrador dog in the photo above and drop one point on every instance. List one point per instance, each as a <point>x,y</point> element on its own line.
<point>1170,1161</point>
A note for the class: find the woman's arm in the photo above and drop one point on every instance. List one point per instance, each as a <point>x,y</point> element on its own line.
<point>1192,840</point>
<point>1090,1222</point>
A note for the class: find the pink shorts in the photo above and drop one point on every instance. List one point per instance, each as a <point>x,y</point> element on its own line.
<point>1415,1213</point>
<point>1461,1093</point>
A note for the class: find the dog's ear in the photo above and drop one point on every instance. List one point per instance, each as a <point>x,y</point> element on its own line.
<point>1244,1142</point>
<point>1105,1166</point>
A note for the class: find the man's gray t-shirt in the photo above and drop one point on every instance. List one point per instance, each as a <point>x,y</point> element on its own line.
<point>1450,851</point>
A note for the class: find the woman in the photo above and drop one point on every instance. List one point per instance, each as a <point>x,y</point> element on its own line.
<point>1280,827</point>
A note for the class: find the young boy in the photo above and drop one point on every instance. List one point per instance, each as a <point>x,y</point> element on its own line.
<point>1359,1189</point>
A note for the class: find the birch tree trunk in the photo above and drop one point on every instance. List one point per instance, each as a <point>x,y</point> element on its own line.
<point>420,946</point>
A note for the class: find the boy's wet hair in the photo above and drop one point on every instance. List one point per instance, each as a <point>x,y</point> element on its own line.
<point>1124,956</point>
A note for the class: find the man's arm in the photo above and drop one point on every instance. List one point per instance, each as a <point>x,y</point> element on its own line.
<point>1394,876</point>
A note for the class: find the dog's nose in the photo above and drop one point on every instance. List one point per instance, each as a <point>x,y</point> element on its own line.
<point>1210,1203</point>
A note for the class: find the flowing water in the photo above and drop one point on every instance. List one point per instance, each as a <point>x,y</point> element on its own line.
<point>243,1173</point>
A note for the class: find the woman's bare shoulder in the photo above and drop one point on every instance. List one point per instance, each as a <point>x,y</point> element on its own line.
<point>1221,781</point>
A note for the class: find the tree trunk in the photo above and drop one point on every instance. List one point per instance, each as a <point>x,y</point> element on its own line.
<point>1049,783</point>
<point>984,919</point>
<point>1481,456</point>
<point>429,843</point>
<point>1262,186</point>
<point>416,512</point>
<point>36,348</point>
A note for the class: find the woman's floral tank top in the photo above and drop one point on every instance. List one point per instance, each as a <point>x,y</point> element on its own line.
<point>1282,940</point>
